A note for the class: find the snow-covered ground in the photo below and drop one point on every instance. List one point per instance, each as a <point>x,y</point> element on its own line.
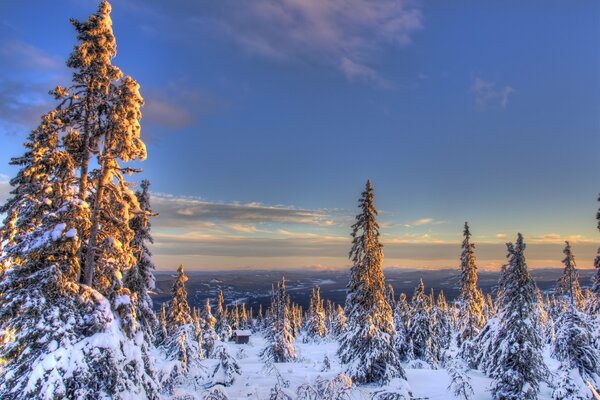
<point>257,379</point>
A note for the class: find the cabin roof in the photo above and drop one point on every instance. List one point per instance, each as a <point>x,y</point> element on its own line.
<point>242,332</point>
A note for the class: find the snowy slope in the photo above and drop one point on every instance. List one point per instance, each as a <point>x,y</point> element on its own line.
<point>257,380</point>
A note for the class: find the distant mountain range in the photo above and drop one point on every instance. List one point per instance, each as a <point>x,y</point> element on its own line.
<point>253,287</point>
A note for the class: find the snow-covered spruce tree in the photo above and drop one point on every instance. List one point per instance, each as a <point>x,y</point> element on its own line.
<point>569,385</point>
<point>102,109</point>
<point>593,305</point>
<point>390,295</point>
<point>49,317</point>
<point>460,384</point>
<point>401,321</point>
<point>574,347</point>
<point>162,333</point>
<point>182,344</point>
<point>568,283</point>
<point>243,317</point>
<point>420,331</point>
<point>330,317</point>
<point>471,316</point>
<point>234,317</point>
<point>210,334</point>
<point>226,370</point>
<point>108,252</point>
<point>340,321</point>
<point>367,344</point>
<point>315,323</point>
<point>280,346</point>
<point>518,366</point>
<point>140,279</point>
<point>442,325</point>
<point>222,327</point>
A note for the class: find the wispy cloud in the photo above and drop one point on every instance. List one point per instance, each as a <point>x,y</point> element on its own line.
<point>27,75</point>
<point>344,34</point>
<point>424,222</point>
<point>490,94</point>
<point>556,238</point>
<point>358,72</point>
<point>23,55</point>
<point>183,211</point>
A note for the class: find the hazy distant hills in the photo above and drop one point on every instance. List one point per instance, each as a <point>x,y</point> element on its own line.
<point>254,286</point>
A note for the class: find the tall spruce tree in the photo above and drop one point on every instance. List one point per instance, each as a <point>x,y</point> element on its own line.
<point>574,348</point>
<point>568,283</point>
<point>315,323</point>
<point>367,343</point>
<point>280,346</point>
<point>140,279</point>
<point>471,311</point>
<point>183,338</point>
<point>421,330</point>
<point>518,364</point>
<point>593,306</point>
<point>44,310</point>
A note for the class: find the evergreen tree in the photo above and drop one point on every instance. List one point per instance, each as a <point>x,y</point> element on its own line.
<point>162,333</point>
<point>315,324</point>
<point>183,339</point>
<point>519,366</point>
<point>340,321</point>
<point>442,325</point>
<point>44,311</point>
<point>226,370</point>
<point>421,332</point>
<point>471,317</point>
<point>280,347</point>
<point>568,283</point>
<point>593,306</point>
<point>401,340</point>
<point>574,347</point>
<point>366,346</point>
<point>139,278</point>
<point>243,317</point>
<point>390,296</point>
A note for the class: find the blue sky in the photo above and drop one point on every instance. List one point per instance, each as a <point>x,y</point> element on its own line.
<point>264,119</point>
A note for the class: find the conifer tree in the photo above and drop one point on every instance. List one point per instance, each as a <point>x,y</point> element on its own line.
<point>390,295</point>
<point>47,232</point>
<point>315,324</point>
<point>366,345</point>
<point>401,340</point>
<point>340,321</point>
<point>139,278</point>
<point>574,347</point>
<point>442,325</point>
<point>421,332</point>
<point>593,306</point>
<point>162,333</point>
<point>471,318</point>
<point>226,370</point>
<point>243,317</point>
<point>517,359</point>
<point>568,283</point>
<point>235,317</point>
<point>280,347</point>
<point>183,342</point>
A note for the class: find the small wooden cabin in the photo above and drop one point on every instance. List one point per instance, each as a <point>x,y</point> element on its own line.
<point>241,336</point>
